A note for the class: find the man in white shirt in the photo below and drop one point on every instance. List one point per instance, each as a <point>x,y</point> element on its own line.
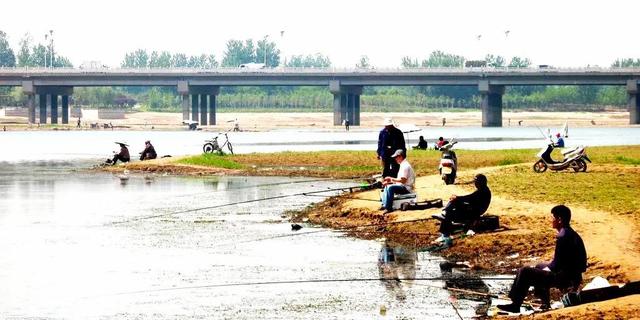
<point>403,184</point>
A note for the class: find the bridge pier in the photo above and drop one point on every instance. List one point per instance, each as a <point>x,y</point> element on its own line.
<point>203,102</point>
<point>346,103</point>
<point>633,102</point>
<point>491,104</point>
<point>47,95</point>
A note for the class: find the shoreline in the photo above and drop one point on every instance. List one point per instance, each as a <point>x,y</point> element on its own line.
<point>324,120</point>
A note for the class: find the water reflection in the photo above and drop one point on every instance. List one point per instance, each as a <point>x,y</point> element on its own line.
<point>396,262</point>
<point>466,285</point>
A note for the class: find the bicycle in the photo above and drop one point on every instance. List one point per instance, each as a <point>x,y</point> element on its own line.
<point>212,145</point>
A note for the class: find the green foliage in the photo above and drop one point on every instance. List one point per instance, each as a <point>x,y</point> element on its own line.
<point>494,61</point>
<point>158,100</point>
<point>517,62</point>
<point>7,58</point>
<point>212,160</point>
<point>141,59</point>
<point>102,97</point>
<point>310,61</point>
<point>439,59</point>
<point>626,63</point>
<point>628,160</point>
<point>363,63</point>
<point>37,54</point>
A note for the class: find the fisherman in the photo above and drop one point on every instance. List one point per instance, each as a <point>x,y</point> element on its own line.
<point>123,155</point>
<point>565,270</point>
<point>389,140</point>
<point>466,209</point>
<point>422,144</point>
<point>149,152</point>
<point>346,124</point>
<point>404,182</point>
<point>559,141</point>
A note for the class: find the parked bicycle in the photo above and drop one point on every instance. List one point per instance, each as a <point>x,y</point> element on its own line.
<point>213,145</point>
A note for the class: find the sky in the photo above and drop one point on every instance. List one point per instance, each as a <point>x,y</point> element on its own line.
<point>560,33</point>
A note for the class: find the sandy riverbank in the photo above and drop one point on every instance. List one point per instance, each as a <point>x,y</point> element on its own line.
<point>269,121</point>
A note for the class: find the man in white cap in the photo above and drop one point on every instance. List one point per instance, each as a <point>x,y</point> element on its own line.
<point>404,182</point>
<point>390,139</point>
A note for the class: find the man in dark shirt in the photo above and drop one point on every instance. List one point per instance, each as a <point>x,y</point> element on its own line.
<point>464,208</point>
<point>390,139</point>
<point>149,151</point>
<point>565,270</point>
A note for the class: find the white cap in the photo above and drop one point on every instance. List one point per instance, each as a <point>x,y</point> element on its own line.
<point>398,152</point>
<point>387,122</point>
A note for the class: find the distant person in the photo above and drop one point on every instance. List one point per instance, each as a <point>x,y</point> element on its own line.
<point>111,125</point>
<point>236,125</point>
<point>403,183</point>
<point>593,122</point>
<point>346,124</point>
<point>519,122</point>
<point>464,209</point>
<point>564,271</point>
<point>390,139</point>
<point>444,121</point>
<point>149,152</point>
<point>441,142</point>
<point>123,155</point>
<point>79,123</point>
<point>559,141</point>
<point>422,144</point>
<point>4,128</point>
<point>509,122</point>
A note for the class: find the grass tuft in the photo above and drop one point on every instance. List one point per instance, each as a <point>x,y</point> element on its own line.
<point>212,160</point>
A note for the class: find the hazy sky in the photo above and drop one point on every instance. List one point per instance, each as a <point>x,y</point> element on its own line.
<point>563,33</point>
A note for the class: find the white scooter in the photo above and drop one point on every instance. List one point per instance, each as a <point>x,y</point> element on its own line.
<point>448,163</point>
<point>575,159</point>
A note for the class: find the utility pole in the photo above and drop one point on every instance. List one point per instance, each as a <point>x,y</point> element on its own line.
<point>51,38</point>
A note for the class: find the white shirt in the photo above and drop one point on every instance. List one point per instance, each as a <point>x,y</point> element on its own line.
<point>406,171</point>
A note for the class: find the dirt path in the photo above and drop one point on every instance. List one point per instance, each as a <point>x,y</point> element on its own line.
<point>609,238</point>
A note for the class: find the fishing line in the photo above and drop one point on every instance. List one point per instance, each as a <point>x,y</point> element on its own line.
<point>232,204</point>
<point>261,283</point>
<point>252,186</point>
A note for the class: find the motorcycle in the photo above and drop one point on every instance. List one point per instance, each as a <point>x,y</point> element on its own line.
<point>575,159</point>
<point>448,163</point>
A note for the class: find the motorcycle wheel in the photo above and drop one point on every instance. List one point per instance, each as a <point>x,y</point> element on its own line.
<point>583,165</point>
<point>540,166</point>
<point>207,148</point>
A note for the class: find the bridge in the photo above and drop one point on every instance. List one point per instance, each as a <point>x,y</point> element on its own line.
<point>200,87</point>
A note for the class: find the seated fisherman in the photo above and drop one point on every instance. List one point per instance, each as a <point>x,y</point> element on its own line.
<point>404,183</point>
<point>149,151</point>
<point>422,144</point>
<point>440,143</point>
<point>565,270</point>
<point>464,209</point>
<point>559,141</point>
<point>123,155</point>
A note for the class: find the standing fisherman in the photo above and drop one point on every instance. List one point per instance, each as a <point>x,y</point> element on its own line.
<point>390,139</point>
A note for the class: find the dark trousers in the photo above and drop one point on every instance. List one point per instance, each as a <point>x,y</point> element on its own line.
<point>390,167</point>
<point>456,211</point>
<point>118,157</point>
<point>540,279</point>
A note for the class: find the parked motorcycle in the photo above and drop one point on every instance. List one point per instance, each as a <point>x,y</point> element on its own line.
<point>575,159</point>
<point>448,163</point>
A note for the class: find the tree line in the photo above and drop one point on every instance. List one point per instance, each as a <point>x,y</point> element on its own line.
<point>263,51</point>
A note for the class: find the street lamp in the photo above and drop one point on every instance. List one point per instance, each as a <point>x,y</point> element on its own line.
<point>265,50</point>
<point>46,36</point>
<point>51,39</point>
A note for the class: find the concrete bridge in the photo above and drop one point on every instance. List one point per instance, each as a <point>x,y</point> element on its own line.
<point>199,87</point>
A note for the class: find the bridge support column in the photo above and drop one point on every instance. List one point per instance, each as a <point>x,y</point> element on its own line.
<point>207,97</point>
<point>65,109</point>
<point>203,109</point>
<point>346,103</point>
<point>183,91</point>
<point>29,90</point>
<point>491,104</point>
<point>42,98</point>
<point>194,107</point>
<point>52,93</point>
<point>633,102</point>
<point>54,109</point>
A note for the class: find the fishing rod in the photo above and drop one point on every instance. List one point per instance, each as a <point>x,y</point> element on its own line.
<point>253,186</point>
<point>262,283</point>
<point>236,203</point>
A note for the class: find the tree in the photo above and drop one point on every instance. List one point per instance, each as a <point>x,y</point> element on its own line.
<point>238,53</point>
<point>363,63</point>
<point>24,56</point>
<point>626,63</point>
<point>272,57</point>
<point>7,58</point>
<point>494,61</point>
<point>439,59</point>
<point>310,61</point>
<point>517,62</point>
<point>408,62</point>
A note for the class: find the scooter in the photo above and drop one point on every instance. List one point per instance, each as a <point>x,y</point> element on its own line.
<point>448,163</point>
<point>575,159</point>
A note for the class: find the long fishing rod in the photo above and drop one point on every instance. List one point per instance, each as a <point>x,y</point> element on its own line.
<point>236,203</point>
<point>261,283</point>
<point>252,186</point>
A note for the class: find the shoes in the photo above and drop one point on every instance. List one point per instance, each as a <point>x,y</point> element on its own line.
<point>513,308</point>
<point>382,208</point>
<point>439,216</point>
<point>545,306</point>
<point>443,239</point>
